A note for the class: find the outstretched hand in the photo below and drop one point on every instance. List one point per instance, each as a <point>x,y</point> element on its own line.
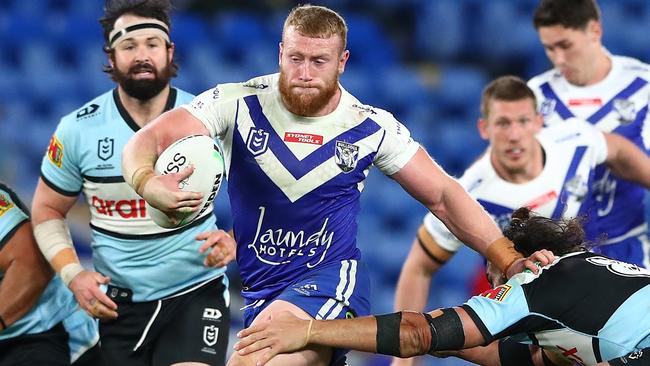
<point>536,260</point>
<point>85,287</point>
<point>221,248</point>
<point>283,333</point>
<point>163,193</point>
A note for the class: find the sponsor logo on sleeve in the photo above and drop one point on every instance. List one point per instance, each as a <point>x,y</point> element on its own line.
<point>260,86</point>
<point>5,204</point>
<point>346,156</point>
<point>303,138</point>
<point>55,151</point>
<point>498,293</point>
<point>87,112</point>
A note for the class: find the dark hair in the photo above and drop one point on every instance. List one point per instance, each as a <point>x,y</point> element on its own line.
<point>507,88</point>
<point>573,14</point>
<point>531,233</point>
<point>113,9</point>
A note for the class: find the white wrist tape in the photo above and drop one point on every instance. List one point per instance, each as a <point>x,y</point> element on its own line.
<point>69,271</point>
<point>52,237</point>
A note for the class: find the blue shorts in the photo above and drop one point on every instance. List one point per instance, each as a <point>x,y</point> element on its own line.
<point>635,250</point>
<point>336,291</point>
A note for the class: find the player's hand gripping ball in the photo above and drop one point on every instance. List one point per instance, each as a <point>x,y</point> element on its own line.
<point>206,156</point>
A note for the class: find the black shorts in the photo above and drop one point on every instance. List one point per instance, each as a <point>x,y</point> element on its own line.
<point>47,348</point>
<point>191,326</point>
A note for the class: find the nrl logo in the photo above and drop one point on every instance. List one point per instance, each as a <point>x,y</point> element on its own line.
<point>346,156</point>
<point>105,148</point>
<point>625,109</point>
<point>210,335</point>
<point>257,141</point>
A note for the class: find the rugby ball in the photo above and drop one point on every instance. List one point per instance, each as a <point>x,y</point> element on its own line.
<point>206,156</point>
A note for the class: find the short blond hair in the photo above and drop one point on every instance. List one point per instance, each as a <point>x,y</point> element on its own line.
<point>318,22</point>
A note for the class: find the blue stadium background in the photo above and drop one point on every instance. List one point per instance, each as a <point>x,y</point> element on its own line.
<point>426,61</point>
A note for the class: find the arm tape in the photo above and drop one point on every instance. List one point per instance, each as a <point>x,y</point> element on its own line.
<point>512,353</point>
<point>52,237</point>
<point>447,331</point>
<point>502,254</point>
<point>388,333</point>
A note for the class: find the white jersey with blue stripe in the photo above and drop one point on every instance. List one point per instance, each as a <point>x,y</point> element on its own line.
<point>56,304</point>
<point>294,182</point>
<point>619,104</point>
<point>561,190</point>
<point>85,156</point>
<point>588,307</point>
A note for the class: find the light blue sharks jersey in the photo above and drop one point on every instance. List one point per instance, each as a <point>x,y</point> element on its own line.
<point>294,182</point>
<point>57,303</point>
<point>85,156</point>
<point>619,104</point>
<point>562,189</point>
<point>588,307</point>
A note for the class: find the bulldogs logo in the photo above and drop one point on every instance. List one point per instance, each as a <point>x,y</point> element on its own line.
<point>346,156</point>
<point>625,109</point>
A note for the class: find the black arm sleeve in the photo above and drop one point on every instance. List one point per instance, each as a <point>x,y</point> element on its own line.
<point>512,353</point>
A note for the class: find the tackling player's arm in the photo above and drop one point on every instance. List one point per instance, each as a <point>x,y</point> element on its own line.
<point>403,334</point>
<point>142,150</point>
<point>465,218</point>
<point>49,210</point>
<point>626,160</point>
<point>26,274</point>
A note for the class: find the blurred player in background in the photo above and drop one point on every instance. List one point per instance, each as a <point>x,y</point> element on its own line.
<point>298,148</point>
<point>166,303</point>
<point>610,92</point>
<point>550,170</point>
<point>556,309</point>
<point>40,322</point>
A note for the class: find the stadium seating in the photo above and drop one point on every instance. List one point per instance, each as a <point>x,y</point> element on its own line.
<point>428,72</point>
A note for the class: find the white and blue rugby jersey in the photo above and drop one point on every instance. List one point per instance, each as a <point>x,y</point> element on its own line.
<point>588,307</point>
<point>619,104</point>
<point>85,156</point>
<point>56,303</point>
<point>294,182</point>
<point>561,190</point>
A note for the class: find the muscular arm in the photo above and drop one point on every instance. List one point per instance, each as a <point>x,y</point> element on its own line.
<point>26,274</point>
<point>49,211</point>
<point>448,200</point>
<point>627,161</point>
<point>51,205</point>
<point>287,333</point>
<point>424,260</point>
<point>142,150</point>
